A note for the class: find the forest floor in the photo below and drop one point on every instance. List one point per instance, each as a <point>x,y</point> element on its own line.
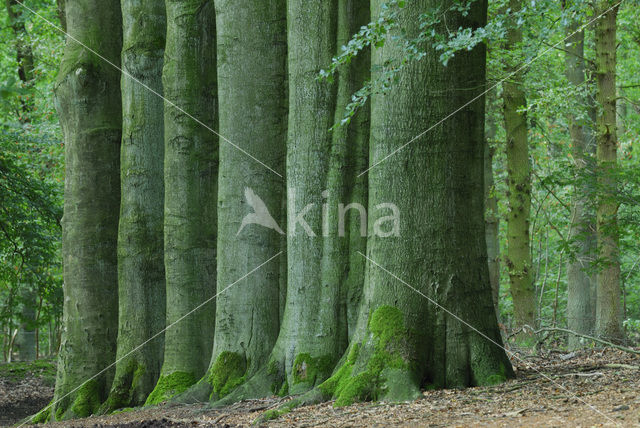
<point>596,387</point>
<point>24,389</point>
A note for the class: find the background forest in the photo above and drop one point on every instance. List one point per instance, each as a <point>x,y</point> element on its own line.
<point>542,117</point>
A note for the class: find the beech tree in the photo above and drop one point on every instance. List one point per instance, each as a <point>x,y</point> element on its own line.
<point>141,281</point>
<point>608,303</point>
<point>190,180</point>
<point>518,257</point>
<point>251,86</point>
<point>580,282</point>
<point>402,340</point>
<point>90,108</point>
<point>342,305</point>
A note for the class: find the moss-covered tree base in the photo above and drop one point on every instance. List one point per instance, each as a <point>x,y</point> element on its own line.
<point>380,368</point>
<point>42,417</point>
<point>227,373</point>
<point>82,403</point>
<point>383,368</point>
<point>124,389</point>
<point>170,386</point>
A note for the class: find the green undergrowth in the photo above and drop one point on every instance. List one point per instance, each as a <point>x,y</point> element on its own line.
<point>169,386</point>
<point>370,371</point>
<point>18,371</point>
<point>227,373</point>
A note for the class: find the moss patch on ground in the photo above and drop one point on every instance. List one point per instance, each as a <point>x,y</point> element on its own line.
<point>18,371</point>
<point>169,386</point>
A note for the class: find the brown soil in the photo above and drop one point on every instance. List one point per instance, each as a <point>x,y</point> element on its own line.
<point>587,388</point>
<point>22,397</point>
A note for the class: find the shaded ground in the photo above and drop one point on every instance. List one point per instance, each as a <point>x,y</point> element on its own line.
<point>588,388</point>
<point>24,389</point>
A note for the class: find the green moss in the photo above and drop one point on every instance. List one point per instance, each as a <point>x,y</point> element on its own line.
<point>123,387</point>
<point>124,410</point>
<point>227,373</point>
<point>491,378</point>
<point>308,370</point>
<point>284,389</point>
<point>43,416</point>
<point>59,413</point>
<point>277,412</point>
<point>18,371</point>
<point>272,414</point>
<point>279,386</point>
<point>389,351</point>
<point>331,385</point>
<point>137,375</point>
<point>87,401</point>
<point>169,386</point>
<point>361,387</point>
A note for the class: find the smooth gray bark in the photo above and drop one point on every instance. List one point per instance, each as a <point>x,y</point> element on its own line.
<point>191,175</point>
<point>89,106</point>
<point>141,282</point>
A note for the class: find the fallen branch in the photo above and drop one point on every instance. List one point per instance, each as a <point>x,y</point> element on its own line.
<point>621,366</point>
<point>586,336</point>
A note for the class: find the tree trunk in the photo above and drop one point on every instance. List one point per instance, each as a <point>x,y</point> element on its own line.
<point>60,9</point>
<point>518,257</point>
<point>324,280</point>
<point>580,284</point>
<point>491,215</point>
<point>251,92</point>
<point>324,266</point>
<point>25,343</point>
<point>89,107</point>
<point>141,283</point>
<point>190,174</point>
<point>402,341</point>
<point>608,303</point>
<point>24,53</point>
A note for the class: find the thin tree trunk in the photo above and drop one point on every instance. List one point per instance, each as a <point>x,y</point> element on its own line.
<point>403,341</point>
<point>580,284</point>
<point>24,53</point>
<point>25,343</point>
<point>89,106</point>
<point>60,4</point>
<point>608,303</point>
<point>190,174</point>
<point>141,283</point>
<point>491,215</point>
<point>518,257</point>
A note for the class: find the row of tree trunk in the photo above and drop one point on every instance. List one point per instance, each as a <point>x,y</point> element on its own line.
<point>155,195</point>
<point>594,294</point>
